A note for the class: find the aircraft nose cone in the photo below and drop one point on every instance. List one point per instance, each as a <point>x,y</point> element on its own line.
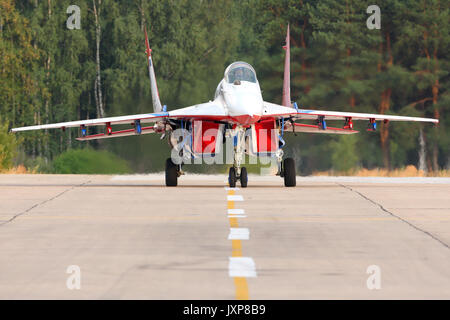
<point>245,108</point>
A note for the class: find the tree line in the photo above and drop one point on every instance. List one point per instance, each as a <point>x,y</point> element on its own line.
<point>50,73</point>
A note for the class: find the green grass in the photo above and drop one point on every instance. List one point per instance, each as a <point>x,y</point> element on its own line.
<point>88,161</point>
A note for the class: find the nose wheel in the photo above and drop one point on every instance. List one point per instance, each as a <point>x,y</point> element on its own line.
<point>243,177</point>
<point>233,177</point>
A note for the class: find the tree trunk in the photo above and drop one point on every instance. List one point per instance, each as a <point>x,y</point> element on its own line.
<point>69,138</point>
<point>385,145</point>
<point>435,90</point>
<point>47,102</point>
<point>384,106</point>
<point>384,129</point>
<point>141,9</point>
<point>422,152</point>
<point>98,83</point>
<point>303,44</point>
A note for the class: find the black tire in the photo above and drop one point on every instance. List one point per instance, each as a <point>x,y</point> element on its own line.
<point>243,177</point>
<point>171,173</point>
<point>289,172</point>
<point>232,177</point>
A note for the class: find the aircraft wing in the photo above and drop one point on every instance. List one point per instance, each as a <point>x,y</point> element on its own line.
<point>272,110</point>
<point>209,111</point>
<point>275,110</point>
<point>144,118</point>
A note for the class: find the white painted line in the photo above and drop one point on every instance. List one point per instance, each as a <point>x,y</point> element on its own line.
<point>236,211</point>
<point>241,267</point>
<point>235,198</point>
<point>237,216</point>
<point>228,189</point>
<point>239,234</point>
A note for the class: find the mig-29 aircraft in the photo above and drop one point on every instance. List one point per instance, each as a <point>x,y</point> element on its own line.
<point>239,112</point>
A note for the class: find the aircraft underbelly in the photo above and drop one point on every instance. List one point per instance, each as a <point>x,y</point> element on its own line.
<point>263,139</point>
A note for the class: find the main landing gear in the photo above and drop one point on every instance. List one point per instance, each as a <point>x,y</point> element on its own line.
<point>288,172</point>
<point>173,171</point>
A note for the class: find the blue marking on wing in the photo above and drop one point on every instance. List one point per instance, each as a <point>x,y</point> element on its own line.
<point>163,114</point>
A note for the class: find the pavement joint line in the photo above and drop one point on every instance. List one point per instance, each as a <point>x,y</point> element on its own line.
<point>395,216</point>
<point>43,202</point>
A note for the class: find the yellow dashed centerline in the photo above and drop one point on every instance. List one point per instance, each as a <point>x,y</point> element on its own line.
<point>233,222</point>
<point>240,283</point>
<point>241,288</point>
<point>236,248</point>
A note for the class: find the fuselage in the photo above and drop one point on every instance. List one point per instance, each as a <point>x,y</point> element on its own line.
<point>240,94</point>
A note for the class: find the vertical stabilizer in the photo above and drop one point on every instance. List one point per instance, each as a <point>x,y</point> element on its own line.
<point>157,107</point>
<point>287,73</point>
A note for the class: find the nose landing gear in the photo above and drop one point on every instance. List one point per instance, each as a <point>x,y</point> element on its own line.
<point>236,172</point>
<point>233,177</point>
<point>243,177</point>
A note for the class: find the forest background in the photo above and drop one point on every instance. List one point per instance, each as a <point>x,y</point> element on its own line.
<point>49,73</point>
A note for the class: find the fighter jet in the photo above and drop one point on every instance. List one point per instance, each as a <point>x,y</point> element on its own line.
<point>237,113</point>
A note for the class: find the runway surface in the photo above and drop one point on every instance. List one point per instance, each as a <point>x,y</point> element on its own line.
<point>133,238</point>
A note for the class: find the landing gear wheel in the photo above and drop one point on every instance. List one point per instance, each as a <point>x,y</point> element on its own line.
<point>243,177</point>
<point>171,173</point>
<point>232,177</point>
<point>289,172</point>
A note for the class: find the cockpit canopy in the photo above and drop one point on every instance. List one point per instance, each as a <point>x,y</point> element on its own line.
<point>241,71</point>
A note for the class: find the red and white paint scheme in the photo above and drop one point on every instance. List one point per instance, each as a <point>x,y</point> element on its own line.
<point>237,111</point>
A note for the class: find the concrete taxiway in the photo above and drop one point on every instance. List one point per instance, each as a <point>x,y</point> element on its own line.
<point>134,238</point>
